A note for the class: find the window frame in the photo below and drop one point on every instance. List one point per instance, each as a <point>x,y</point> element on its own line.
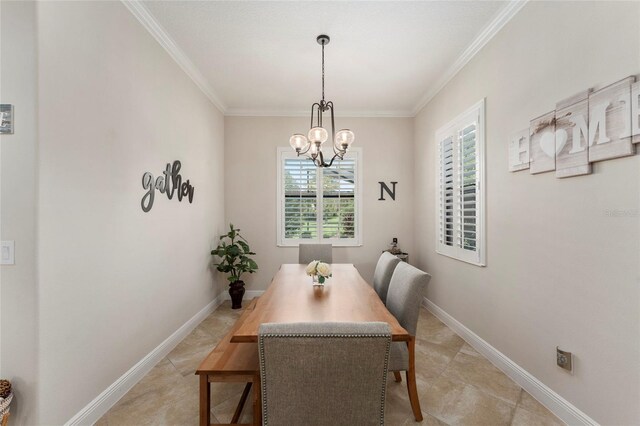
<point>474,113</point>
<point>288,153</point>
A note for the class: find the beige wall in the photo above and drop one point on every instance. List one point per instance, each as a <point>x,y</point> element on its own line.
<point>559,270</point>
<point>250,187</point>
<point>18,190</point>
<point>113,282</point>
<point>99,103</point>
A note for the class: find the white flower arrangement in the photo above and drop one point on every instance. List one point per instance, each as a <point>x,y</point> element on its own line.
<point>320,270</point>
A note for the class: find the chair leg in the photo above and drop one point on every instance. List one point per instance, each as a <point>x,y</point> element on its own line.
<point>205,401</point>
<point>411,380</point>
<point>397,376</point>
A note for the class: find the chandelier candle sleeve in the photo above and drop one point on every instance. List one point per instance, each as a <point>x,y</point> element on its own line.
<point>311,145</point>
<point>344,138</point>
<point>298,142</point>
<point>318,135</point>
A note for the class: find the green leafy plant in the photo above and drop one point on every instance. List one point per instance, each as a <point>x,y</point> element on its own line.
<point>234,253</point>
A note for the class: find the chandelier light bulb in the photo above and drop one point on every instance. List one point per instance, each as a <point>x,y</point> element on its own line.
<point>314,149</point>
<point>318,134</point>
<point>298,142</point>
<point>344,138</point>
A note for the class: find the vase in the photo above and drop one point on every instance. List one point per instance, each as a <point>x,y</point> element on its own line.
<point>315,282</point>
<point>236,291</point>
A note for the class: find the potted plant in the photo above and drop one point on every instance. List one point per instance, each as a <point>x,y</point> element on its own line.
<point>234,253</point>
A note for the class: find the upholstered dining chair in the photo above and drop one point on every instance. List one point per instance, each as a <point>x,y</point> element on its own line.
<point>404,297</point>
<point>323,373</point>
<point>382,276</point>
<point>310,252</point>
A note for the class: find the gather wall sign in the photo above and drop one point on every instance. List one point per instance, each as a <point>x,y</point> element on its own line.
<point>587,127</point>
<point>169,183</point>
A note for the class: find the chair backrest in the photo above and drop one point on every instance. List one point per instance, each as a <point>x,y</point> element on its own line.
<point>310,252</point>
<point>382,276</point>
<point>324,373</point>
<point>405,294</point>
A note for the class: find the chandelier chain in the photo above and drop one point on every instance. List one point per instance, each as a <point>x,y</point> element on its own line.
<point>323,72</point>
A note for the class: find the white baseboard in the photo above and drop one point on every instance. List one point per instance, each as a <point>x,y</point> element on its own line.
<point>559,406</point>
<point>93,411</point>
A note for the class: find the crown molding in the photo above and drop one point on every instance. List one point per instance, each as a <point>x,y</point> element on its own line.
<point>240,112</point>
<point>147,20</point>
<point>487,33</point>
<point>156,30</point>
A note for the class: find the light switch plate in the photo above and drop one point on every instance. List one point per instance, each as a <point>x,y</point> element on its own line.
<point>6,119</point>
<point>7,253</point>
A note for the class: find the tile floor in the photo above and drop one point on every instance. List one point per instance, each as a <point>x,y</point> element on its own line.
<point>457,385</point>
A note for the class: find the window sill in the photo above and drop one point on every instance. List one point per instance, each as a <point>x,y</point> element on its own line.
<point>469,261</point>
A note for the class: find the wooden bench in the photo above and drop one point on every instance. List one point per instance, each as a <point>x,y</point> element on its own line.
<point>231,362</point>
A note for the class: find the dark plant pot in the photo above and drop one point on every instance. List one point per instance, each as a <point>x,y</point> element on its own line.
<point>236,291</point>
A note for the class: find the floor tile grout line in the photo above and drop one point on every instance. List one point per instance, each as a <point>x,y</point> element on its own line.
<point>472,385</point>
<point>514,406</point>
<point>172,364</point>
<point>442,372</point>
<point>436,378</point>
<point>448,365</point>
<point>513,417</point>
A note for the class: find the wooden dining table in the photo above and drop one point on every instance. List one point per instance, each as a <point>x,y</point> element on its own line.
<point>291,297</point>
<point>345,297</point>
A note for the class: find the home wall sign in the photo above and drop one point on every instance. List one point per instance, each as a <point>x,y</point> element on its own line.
<point>170,184</point>
<point>587,127</point>
<point>390,191</point>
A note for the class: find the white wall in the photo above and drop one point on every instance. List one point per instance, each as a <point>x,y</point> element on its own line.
<point>18,186</point>
<point>559,270</point>
<point>114,282</point>
<point>251,184</point>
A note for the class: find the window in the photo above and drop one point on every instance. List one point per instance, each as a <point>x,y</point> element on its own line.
<point>318,204</point>
<point>460,193</point>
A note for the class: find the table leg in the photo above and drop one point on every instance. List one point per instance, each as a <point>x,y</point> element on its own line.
<point>205,401</point>
<point>243,399</point>
<point>411,380</point>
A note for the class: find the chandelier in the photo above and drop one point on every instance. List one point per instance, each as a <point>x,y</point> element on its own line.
<point>311,144</point>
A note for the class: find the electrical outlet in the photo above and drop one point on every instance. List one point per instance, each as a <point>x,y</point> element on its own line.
<point>564,359</point>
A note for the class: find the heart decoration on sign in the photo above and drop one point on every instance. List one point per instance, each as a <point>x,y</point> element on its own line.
<point>561,140</point>
<point>549,145</point>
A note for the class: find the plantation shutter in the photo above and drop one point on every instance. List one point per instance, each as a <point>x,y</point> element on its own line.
<point>319,204</point>
<point>446,192</point>
<point>300,199</point>
<point>338,199</point>
<point>459,226</point>
<point>468,187</point>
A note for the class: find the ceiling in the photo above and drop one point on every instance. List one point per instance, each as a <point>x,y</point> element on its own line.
<point>386,58</point>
